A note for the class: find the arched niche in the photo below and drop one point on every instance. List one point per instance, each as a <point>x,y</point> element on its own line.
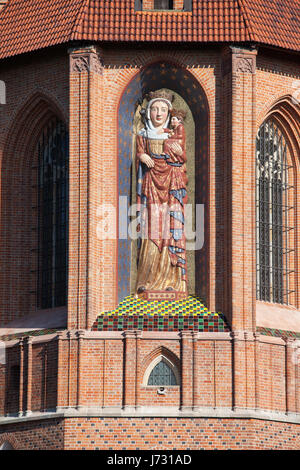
<point>188,91</point>
<point>19,207</point>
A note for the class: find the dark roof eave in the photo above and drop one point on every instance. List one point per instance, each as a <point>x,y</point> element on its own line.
<point>186,44</point>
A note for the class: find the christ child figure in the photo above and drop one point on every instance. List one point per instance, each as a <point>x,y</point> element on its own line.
<point>175,145</point>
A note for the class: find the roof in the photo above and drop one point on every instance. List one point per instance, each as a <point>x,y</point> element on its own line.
<point>28,25</point>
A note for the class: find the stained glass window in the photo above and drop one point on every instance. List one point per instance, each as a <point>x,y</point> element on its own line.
<point>162,374</point>
<point>53,215</point>
<point>273,215</point>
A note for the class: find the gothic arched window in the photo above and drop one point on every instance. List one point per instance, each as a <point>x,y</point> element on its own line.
<point>274,215</point>
<point>53,215</point>
<point>162,374</point>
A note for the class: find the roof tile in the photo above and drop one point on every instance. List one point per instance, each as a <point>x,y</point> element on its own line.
<point>27,25</point>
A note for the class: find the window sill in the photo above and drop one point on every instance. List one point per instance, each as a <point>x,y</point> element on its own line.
<point>277,316</point>
<point>40,320</point>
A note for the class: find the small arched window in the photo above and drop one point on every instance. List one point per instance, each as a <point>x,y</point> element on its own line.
<point>6,446</point>
<point>52,152</point>
<point>162,373</point>
<point>274,215</point>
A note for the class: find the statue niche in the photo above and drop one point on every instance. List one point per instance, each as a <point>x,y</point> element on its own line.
<point>161,196</point>
<point>189,97</point>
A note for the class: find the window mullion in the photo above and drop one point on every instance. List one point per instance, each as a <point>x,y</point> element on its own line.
<point>52,215</point>
<point>272,212</point>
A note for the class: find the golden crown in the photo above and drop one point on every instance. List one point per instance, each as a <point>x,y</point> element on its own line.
<point>164,94</point>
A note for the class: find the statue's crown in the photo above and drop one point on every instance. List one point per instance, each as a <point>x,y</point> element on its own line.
<point>164,94</point>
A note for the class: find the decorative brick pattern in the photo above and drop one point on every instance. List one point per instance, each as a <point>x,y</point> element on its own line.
<point>134,313</point>
<point>181,434</point>
<point>277,333</point>
<point>152,433</point>
<point>29,333</point>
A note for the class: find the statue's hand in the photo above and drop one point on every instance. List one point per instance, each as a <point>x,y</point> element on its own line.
<point>177,148</point>
<point>147,160</point>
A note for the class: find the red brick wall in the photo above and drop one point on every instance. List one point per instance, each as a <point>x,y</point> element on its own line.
<point>276,86</point>
<point>242,373</point>
<point>182,433</point>
<point>11,396</point>
<point>216,371</point>
<point>152,433</point>
<point>219,374</point>
<point>44,376</point>
<point>93,172</point>
<point>36,88</point>
<point>98,290</point>
<point>36,435</point>
<point>37,387</point>
<point>236,94</point>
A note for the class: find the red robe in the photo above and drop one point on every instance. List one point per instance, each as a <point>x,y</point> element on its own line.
<point>164,186</point>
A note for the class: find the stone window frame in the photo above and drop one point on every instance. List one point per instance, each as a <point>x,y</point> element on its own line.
<point>285,114</point>
<point>6,445</point>
<point>52,127</point>
<point>153,364</point>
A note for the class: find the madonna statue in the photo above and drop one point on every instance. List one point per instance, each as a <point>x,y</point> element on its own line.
<point>161,196</point>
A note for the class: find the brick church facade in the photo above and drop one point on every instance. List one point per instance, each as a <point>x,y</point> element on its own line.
<point>84,362</point>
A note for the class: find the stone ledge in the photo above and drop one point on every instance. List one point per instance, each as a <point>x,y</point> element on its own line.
<point>154,412</point>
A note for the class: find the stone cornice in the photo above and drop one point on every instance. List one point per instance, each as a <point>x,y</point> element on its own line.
<point>152,412</point>
<point>86,60</point>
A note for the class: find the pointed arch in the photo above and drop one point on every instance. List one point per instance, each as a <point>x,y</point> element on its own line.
<point>6,446</point>
<point>18,233</point>
<point>9,442</point>
<point>283,118</point>
<point>155,357</point>
<point>173,76</point>
<point>27,122</point>
<point>287,114</point>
